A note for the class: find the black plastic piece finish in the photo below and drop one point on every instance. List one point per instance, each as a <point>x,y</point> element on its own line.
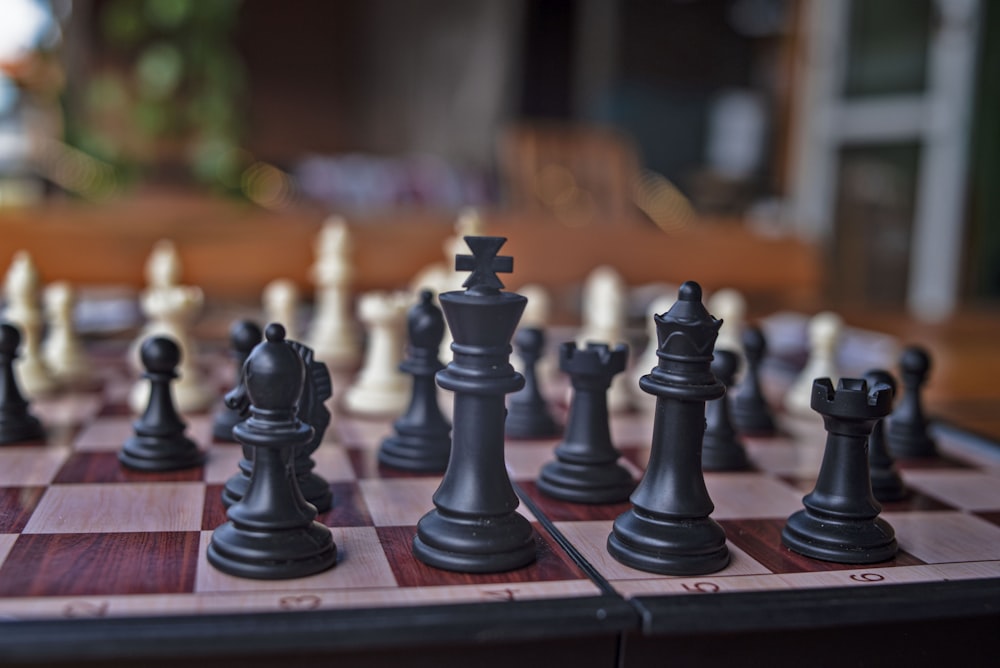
<point>159,442</point>
<point>528,414</point>
<point>316,389</point>
<point>749,409</point>
<point>243,336</point>
<point>17,424</point>
<point>722,449</point>
<point>668,529</point>
<point>474,527</point>
<point>421,440</point>
<point>887,484</point>
<point>272,533</point>
<point>586,469</point>
<point>840,522</point>
<point>907,433</point>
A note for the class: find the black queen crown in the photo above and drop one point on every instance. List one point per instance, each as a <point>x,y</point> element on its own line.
<point>686,337</point>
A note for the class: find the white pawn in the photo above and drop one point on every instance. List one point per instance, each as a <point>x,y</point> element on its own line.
<point>729,306</point>
<point>62,351</point>
<point>605,298</point>
<point>281,304</point>
<point>825,330</point>
<point>333,335</point>
<point>381,388</point>
<point>163,272</point>
<point>645,362</point>
<point>21,289</point>
<point>172,311</point>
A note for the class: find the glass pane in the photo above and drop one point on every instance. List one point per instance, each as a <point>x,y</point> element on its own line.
<point>887,47</point>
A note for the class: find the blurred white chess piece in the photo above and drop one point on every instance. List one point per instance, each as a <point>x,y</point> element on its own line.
<point>825,331</point>
<point>334,335</point>
<point>381,388</point>
<point>21,289</point>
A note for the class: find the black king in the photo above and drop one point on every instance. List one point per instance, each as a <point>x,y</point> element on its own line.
<point>474,527</point>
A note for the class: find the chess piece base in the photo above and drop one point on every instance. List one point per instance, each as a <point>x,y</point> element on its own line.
<point>523,422</point>
<point>272,555</point>
<point>669,546</point>
<point>841,541</point>
<point>887,485</point>
<point>146,453</point>
<point>583,483</point>
<point>453,543</point>
<point>422,454</point>
<point>25,427</point>
<point>725,457</point>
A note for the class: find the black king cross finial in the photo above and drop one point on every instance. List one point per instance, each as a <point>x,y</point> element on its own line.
<point>484,263</point>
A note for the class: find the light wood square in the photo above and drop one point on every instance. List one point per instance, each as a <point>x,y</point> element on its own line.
<point>106,434</point>
<point>361,563</point>
<point>751,495</point>
<point>6,543</point>
<point>968,490</point>
<point>941,537</point>
<point>87,508</point>
<point>30,465</point>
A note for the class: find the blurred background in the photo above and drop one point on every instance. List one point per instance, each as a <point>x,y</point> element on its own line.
<point>865,130</point>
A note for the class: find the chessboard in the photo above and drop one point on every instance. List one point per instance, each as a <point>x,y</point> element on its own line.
<point>100,563</point>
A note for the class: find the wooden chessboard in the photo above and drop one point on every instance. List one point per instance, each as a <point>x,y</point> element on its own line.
<point>97,562</point>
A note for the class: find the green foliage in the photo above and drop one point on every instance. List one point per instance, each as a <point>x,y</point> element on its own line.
<point>178,89</point>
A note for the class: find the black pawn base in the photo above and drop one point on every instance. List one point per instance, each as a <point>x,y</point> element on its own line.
<point>464,545</point>
<point>887,485</point>
<point>223,423</point>
<point>669,547</point>
<point>151,454</point>
<point>20,428</point>
<point>416,453</point>
<point>838,540</point>
<point>525,421</point>
<point>723,456</point>
<point>585,483</point>
<point>272,555</point>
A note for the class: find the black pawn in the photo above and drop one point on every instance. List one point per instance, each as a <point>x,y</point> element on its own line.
<point>272,533</point>
<point>907,432</point>
<point>840,522</point>
<point>17,424</point>
<point>159,442</point>
<point>749,409</point>
<point>528,414</point>
<point>722,449</point>
<point>586,469</point>
<point>422,436</point>
<point>243,336</point>
<point>474,527</point>
<point>887,485</point>
<point>316,389</point>
<point>668,529</point>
